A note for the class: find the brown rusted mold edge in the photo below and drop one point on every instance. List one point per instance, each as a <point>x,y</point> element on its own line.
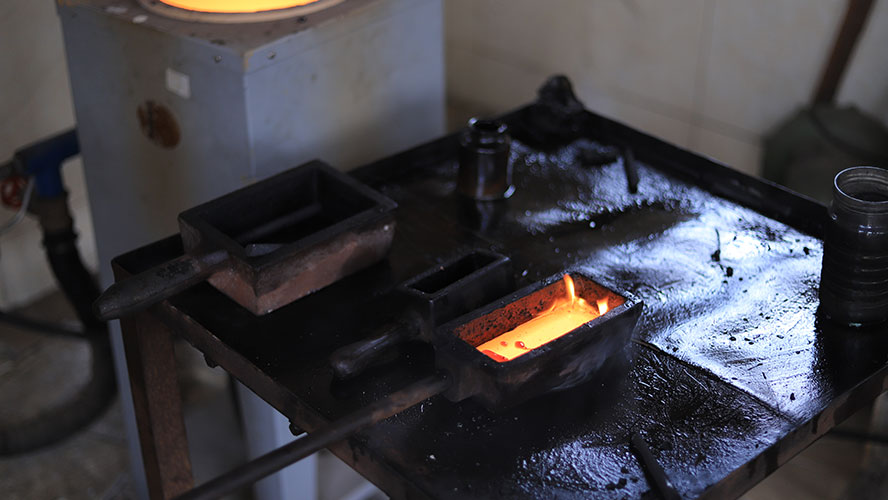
<point>306,273</point>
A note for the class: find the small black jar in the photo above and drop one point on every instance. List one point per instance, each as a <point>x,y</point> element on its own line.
<point>485,172</point>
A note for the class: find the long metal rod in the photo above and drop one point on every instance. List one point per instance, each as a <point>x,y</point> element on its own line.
<point>332,433</point>
<point>655,473</point>
<point>856,15</point>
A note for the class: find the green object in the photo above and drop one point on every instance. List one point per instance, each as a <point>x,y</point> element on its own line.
<point>806,151</point>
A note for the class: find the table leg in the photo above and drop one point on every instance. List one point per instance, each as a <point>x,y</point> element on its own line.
<point>158,405</point>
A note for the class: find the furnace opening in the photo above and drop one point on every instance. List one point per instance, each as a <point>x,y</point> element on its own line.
<point>236,6</point>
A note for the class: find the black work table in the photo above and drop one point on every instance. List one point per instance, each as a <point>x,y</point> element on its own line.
<point>733,372</point>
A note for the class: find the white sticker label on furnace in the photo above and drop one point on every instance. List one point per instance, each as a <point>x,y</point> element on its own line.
<point>178,83</point>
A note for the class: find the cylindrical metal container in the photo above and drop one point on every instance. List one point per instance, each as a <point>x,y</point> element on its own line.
<point>854,278</point>
<point>484,169</point>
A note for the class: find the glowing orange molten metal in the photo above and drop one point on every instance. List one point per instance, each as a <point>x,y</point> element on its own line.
<point>563,317</point>
<point>236,6</point>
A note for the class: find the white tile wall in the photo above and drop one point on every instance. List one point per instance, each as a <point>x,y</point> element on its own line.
<point>641,113</point>
<point>35,102</point>
<point>643,49</point>
<point>468,71</point>
<point>506,28</point>
<point>765,58</point>
<point>727,148</point>
<point>711,75</point>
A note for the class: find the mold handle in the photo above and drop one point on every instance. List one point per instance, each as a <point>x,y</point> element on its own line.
<point>354,358</point>
<point>156,284</point>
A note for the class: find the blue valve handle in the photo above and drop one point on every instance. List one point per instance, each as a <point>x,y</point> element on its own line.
<point>43,160</point>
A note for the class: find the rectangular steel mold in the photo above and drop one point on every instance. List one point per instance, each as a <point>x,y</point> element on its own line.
<point>564,362</point>
<point>290,234</point>
<point>431,298</point>
<point>458,286</point>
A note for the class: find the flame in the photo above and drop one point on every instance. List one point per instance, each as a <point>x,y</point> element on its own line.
<point>565,315</point>
<point>236,6</point>
<point>602,306</point>
<point>569,286</point>
<point>574,299</point>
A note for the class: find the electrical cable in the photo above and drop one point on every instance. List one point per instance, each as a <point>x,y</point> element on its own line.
<point>54,424</point>
<point>60,244</point>
<point>59,422</point>
<point>21,321</point>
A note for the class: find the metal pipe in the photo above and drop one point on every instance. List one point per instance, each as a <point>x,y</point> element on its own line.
<point>654,471</point>
<point>332,433</point>
<point>856,15</point>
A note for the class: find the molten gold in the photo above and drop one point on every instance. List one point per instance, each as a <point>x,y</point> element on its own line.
<point>564,316</point>
<point>236,6</point>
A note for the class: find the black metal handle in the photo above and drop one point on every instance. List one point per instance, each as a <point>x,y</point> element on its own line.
<point>156,284</point>
<point>354,358</point>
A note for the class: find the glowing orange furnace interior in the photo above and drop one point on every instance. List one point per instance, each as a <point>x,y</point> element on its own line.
<point>236,6</point>
<point>565,315</point>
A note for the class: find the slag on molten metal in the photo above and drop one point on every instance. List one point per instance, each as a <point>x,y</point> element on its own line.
<point>566,314</point>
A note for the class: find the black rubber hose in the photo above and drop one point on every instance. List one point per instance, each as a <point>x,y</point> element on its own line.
<point>55,424</point>
<point>73,277</point>
<point>36,325</point>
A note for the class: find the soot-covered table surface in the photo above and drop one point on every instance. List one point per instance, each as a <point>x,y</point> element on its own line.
<point>732,373</point>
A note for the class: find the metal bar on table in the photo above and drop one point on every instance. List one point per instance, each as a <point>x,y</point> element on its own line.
<point>655,473</point>
<point>631,169</point>
<point>332,433</point>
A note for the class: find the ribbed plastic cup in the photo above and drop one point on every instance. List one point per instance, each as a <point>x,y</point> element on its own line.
<point>854,277</point>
